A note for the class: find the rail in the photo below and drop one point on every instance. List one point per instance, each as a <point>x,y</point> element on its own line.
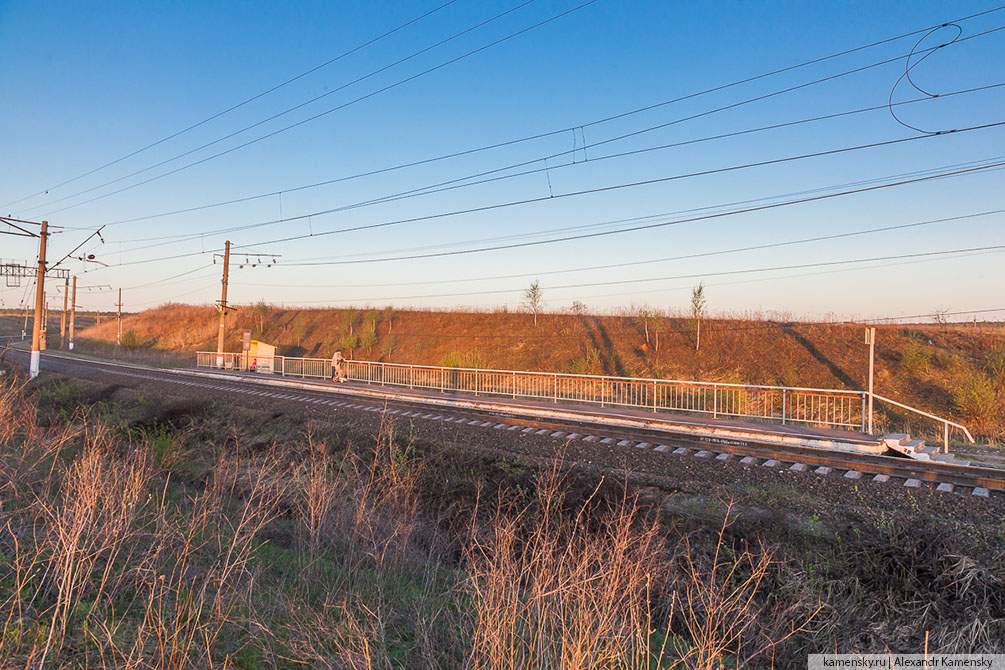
<point>946,423</point>
<point>828,408</point>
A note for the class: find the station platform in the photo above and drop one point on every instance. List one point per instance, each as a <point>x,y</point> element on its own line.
<point>705,428</point>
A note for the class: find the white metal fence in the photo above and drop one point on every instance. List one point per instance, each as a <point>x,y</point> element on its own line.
<point>819,407</point>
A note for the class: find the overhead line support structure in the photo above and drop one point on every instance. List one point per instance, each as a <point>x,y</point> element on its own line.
<point>222,306</point>
<point>23,271</point>
<point>36,331</point>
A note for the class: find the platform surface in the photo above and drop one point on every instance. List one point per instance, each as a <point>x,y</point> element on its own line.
<point>704,424</point>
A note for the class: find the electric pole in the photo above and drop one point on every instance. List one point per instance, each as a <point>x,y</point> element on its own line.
<point>73,310</point>
<point>223,306</point>
<point>39,293</point>
<point>118,338</point>
<point>62,320</point>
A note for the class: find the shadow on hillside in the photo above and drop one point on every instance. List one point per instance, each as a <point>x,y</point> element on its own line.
<point>819,356</point>
<point>601,341</point>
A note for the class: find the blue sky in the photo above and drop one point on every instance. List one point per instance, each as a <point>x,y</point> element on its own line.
<point>87,83</point>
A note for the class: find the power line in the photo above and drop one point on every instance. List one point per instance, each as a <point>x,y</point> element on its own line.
<point>564,130</point>
<point>600,190</point>
<point>436,188</point>
<point>310,119</point>
<point>603,189</point>
<point>238,105</point>
<point>622,282</point>
<point>609,266</point>
<point>883,265</point>
<point>306,120</point>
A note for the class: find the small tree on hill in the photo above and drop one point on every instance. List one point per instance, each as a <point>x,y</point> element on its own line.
<point>533,299</point>
<point>659,325</point>
<point>697,311</point>
<point>643,318</point>
<point>261,310</point>
<point>578,308</point>
<point>349,320</point>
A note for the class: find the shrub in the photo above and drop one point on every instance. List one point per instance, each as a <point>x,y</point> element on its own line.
<point>348,342</point>
<point>915,358</point>
<point>456,359</point>
<point>367,339</point>
<point>131,340</point>
<point>975,398</point>
<point>587,363</point>
<point>995,367</point>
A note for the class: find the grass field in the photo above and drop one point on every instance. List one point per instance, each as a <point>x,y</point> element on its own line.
<point>143,531</point>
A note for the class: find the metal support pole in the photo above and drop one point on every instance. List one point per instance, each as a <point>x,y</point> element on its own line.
<point>945,438</point>
<point>43,342</point>
<point>118,338</point>
<point>36,333</point>
<point>73,309</point>
<point>870,337</point>
<point>223,307</point>
<point>62,320</point>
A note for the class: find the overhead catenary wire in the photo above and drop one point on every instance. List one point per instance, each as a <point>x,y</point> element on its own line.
<point>302,121</point>
<point>698,275</point>
<point>685,97</point>
<point>646,182</point>
<point>465,181</point>
<point>636,263</point>
<point>238,105</point>
<point>599,190</point>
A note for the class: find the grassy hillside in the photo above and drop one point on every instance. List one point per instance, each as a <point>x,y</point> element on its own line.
<point>955,370</point>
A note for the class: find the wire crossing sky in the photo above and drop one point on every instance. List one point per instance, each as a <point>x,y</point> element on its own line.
<point>814,160</point>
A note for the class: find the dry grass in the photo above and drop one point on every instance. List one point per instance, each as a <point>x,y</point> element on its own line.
<point>321,552</point>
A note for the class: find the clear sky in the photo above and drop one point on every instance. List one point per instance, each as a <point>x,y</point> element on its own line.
<point>87,84</point>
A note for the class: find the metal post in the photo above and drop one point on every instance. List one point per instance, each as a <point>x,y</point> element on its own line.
<point>442,382</point>
<point>73,309</point>
<point>654,396</point>
<point>36,332</point>
<point>785,396</point>
<point>870,338</point>
<point>118,338</point>
<point>555,386</point>
<point>62,320</point>
<point>514,385</point>
<point>43,342</point>
<point>945,438</point>
<point>223,306</point>
<point>863,412</point>
<point>715,402</point>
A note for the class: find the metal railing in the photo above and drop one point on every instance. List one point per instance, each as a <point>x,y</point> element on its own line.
<point>828,408</point>
<point>946,423</point>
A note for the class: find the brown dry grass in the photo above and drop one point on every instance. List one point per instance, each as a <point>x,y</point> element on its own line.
<point>316,556</point>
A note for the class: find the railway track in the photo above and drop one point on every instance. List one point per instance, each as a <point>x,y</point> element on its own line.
<point>890,470</point>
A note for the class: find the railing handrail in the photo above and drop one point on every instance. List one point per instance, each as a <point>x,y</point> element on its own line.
<point>848,392</point>
<point>926,414</point>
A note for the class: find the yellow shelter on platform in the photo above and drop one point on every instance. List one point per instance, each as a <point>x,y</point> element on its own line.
<point>261,357</point>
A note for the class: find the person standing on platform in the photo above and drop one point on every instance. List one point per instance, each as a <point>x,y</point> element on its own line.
<point>338,367</point>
